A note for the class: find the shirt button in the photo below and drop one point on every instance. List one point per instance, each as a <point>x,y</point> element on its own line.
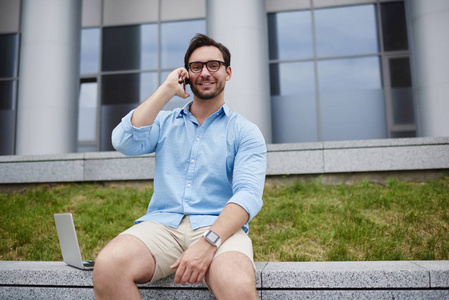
<point>192,161</point>
<point>197,138</point>
<point>189,185</point>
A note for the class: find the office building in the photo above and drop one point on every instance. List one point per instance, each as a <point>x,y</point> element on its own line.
<point>303,70</point>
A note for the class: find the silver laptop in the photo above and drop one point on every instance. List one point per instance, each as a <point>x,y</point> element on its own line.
<point>69,242</point>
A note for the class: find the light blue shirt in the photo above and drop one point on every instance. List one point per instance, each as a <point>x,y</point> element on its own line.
<point>199,169</point>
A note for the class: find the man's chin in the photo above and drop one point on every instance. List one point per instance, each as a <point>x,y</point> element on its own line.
<point>204,96</point>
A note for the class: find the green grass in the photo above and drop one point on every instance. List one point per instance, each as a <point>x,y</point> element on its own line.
<point>299,222</point>
<point>314,222</point>
<point>27,226</point>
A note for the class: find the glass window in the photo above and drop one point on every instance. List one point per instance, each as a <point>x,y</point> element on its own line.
<point>346,31</point>
<point>292,78</point>
<point>7,89</point>
<point>7,116</point>
<point>90,50</point>
<point>149,53</point>
<point>130,47</point>
<point>394,27</point>
<point>87,113</point>
<point>175,39</point>
<point>8,55</point>
<point>401,91</point>
<point>351,99</point>
<point>121,48</point>
<point>290,35</point>
<point>349,74</point>
<point>127,88</point>
<point>293,102</point>
<point>120,94</point>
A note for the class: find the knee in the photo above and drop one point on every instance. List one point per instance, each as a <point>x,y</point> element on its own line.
<point>104,272</point>
<point>122,261</point>
<point>245,288</point>
<point>238,286</point>
<point>110,267</point>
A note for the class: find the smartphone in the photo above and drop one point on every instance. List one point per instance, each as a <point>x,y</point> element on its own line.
<point>186,82</point>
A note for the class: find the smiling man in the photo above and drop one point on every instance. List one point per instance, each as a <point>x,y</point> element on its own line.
<point>209,178</point>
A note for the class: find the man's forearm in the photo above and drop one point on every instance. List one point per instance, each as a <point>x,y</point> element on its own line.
<point>146,113</point>
<point>231,219</point>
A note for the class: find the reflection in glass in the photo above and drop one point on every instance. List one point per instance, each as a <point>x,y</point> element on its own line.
<point>351,99</point>
<point>7,117</point>
<point>349,74</point>
<point>292,78</point>
<point>175,39</point>
<point>7,89</point>
<point>120,89</point>
<point>121,48</point>
<point>394,27</point>
<point>293,102</point>
<point>148,85</point>
<point>87,113</point>
<point>90,50</point>
<point>401,91</point>
<point>290,35</point>
<point>353,115</point>
<point>346,30</point>
<point>8,55</point>
<point>120,94</point>
<point>148,54</point>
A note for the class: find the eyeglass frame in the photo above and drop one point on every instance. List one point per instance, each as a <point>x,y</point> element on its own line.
<point>205,63</point>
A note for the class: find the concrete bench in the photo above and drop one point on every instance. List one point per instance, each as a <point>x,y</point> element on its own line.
<point>275,280</point>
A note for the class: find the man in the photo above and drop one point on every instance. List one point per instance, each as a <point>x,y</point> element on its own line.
<point>208,184</point>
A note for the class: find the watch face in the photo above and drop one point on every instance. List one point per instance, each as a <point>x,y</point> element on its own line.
<point>212,237</point>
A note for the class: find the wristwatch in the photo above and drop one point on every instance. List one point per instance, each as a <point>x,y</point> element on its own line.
<point>212,238</point>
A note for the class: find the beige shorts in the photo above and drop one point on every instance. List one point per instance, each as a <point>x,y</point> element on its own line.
<point>167,243</point>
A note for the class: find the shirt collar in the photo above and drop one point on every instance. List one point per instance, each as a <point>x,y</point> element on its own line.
<point>186,110</point>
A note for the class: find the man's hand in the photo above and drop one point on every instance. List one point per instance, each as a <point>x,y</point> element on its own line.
<point>174,82</point>
<point>193,264</point>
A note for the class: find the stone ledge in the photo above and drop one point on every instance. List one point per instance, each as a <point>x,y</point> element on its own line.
<point>275,280</point>
<point>328,158</point>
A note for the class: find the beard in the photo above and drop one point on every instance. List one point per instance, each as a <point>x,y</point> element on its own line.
<point>207,95</point>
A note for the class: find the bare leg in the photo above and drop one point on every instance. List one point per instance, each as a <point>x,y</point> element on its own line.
<point>121,264</point>
<point>231,276</point>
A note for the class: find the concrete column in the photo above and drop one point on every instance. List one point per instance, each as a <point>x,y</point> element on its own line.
<point>242,27</point>
<point>428,23</point>
<point>47,113</point>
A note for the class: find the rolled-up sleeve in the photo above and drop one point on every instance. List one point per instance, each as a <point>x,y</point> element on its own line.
<point>131,140</point>
<point>249,172</point>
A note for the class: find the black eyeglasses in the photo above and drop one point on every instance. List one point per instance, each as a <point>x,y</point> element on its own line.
<point>211,65</point>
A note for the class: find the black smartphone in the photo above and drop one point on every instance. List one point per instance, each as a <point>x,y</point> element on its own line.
<point>186,82</point>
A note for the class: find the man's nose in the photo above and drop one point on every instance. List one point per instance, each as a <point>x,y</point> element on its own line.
<point>205,70</point>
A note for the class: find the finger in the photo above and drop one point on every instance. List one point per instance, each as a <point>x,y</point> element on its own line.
<point>200,277</point>
<point>193,277</point>
<point>182,72</point>
<point>176,264</point>
<point>179,274</point>
<point>185,277</point>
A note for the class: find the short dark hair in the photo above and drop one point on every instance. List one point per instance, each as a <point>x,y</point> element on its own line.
<point>200,40</point>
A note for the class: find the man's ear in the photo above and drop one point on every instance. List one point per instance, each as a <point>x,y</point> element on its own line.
<point>228,73</point>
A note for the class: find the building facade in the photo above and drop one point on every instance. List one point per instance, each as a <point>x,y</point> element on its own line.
<point>303,70</point>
